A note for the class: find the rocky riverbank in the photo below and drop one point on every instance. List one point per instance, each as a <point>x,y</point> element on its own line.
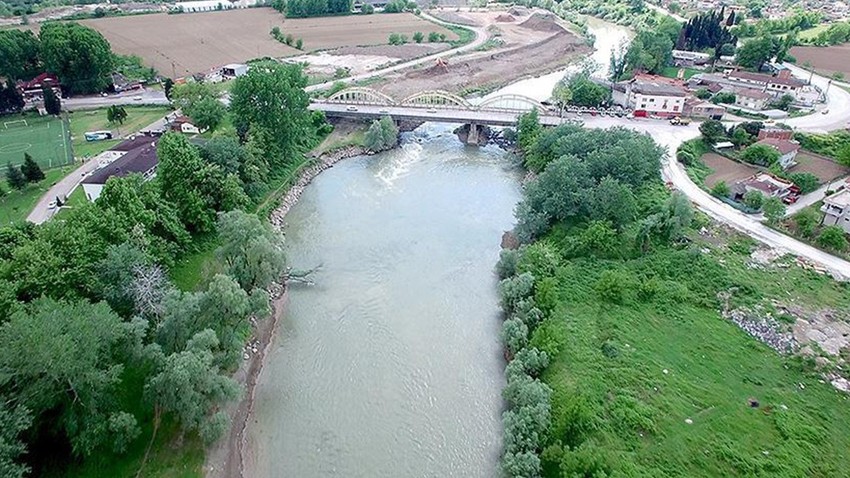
<point>323,162</point>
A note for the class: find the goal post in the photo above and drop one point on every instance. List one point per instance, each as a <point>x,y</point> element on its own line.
<point>15,123</point>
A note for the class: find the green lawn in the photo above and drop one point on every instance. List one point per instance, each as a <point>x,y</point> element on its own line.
<point>16,205</point>
<point>45,138</point>
<point>658,384</point>
<point>95,120</point>
<point>813,32</point>
<point>673,72</point>
<point>76,199</point>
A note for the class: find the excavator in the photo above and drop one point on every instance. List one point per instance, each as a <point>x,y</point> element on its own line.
<point>442,63</point>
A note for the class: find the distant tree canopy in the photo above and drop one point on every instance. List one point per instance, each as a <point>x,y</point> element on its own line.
<point>707,30</point>
<point>315,8</point>
<point>650,51</point>
<point>19,54</point>
<point>79,55</point>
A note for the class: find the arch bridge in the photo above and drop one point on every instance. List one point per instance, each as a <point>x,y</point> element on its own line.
<point>434,99</point>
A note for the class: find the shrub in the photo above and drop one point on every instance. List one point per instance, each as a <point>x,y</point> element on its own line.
<point>615,286</point>
<point>521,465</point>
<point>832,237</point>
<point>754,199</point>
<point>367,9</point>
<point>433,37</point>
<point>760,154</point>
<point>514,335</point>
<point>526,311</point>
<point>507,265</point>
<point>774,210</point>
<point>721,189</point>
<point>299,44</point>
<point>514,289</point>
<point>806,221</point>
<point>524,391</point>
<point>540,259</point>
<point>394,39</point>
<point>549,338</point>
<point>526,427</point>
<point>418,37</point>
<point>528,361</point>
<point>807,182</point>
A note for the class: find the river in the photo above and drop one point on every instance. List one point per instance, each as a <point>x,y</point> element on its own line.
<point>391,364</point>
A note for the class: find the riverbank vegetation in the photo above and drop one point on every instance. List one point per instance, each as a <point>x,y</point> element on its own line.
<point>106,364</point>
<point>645,375</point>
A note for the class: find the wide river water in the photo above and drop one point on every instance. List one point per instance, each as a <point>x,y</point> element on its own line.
<point>391,364</point>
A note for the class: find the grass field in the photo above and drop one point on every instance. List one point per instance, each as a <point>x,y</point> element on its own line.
<point>813,32</point>
<point>660,384</point>
<point>673,72</point>
<point>45,138</point>
<point>95,120</point>
<point>15,206</point>
<point>179,45</point>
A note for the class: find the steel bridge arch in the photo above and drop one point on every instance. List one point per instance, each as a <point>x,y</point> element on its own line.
<point>360,95</point>
<point>436,98</point>
<point>511,103</point>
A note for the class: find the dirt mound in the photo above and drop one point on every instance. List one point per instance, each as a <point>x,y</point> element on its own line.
<point>518,11</point>
<point>542,22</point>
<point>505,19</point>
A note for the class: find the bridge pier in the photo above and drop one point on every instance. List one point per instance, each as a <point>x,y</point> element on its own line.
<point>472,137</point>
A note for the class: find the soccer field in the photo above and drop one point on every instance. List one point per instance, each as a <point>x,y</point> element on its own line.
<point>46,139</point>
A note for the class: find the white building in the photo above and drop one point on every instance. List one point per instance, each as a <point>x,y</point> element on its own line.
<point>136,155</point>
<point>649,97</point>
<point>836,209</point>
<point>751,98</point>
<point>779,85</point>
<point>787,150</point>
<point>234,70</point>
<point>206,6</point>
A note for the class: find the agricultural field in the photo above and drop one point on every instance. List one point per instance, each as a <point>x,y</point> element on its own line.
<point>825,169</point>
<point>724,169</point>
<point>43,138</point>
<point>179,45</point>
<point>825,60</point>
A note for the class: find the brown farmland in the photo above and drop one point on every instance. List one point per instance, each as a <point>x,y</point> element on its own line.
<point>179,45</point>
<point>822,167</point>
<point>827,60</point>
<point>725,170</point>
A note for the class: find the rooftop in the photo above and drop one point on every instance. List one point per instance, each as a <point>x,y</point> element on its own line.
<point>840,199</point>
<point>139,160</point>
<point>766,183</point>
<point>752,93</point>
<point>782,145</point>
<point>761,77</point>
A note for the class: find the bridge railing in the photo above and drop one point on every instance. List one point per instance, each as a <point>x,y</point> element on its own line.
<point>435,99</point>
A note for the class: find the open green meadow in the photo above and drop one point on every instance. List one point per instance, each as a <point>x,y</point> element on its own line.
<point>45,138</point>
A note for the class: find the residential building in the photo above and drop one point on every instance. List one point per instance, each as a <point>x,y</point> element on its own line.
<point>650,95</point>
<point>751,98</point>
<point>836,210</point>
<point>765,183</point>
<point>33,90</point>
<point>234,70</point>
<point>136,155</point>
<point>776,133</point>
<point>778,85</point>
<point>183,124</point>
<point>703,109</point>
<point>787,150</point>
<point>689,58</point>
<point>207,5</point>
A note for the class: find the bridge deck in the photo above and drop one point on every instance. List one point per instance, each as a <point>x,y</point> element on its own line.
<point>437,114</point>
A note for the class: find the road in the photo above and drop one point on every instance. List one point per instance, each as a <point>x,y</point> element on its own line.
<point>665,12</point>
<point>62,189</point>
<point>437,114</point>
<point>148,97</point>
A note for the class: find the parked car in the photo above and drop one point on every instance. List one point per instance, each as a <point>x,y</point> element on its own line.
<point>351,108</point>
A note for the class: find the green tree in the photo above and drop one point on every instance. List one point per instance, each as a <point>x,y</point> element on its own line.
<point>79,55</point>
<point>67,360</point>
<point>761,155</point>
<point>19,54</point>
<point>650,51</point>
<point>614,202</point>
<point>418,37</point>
<point>207,113</point>
<point>721,189</point>
<point>270,101</point>
<point>116,114</point>
<point>562,94</point>
<point>740,137</point>
<point>514,289</point>
<point>832,237</point>
<point>514,335</point>
<point>806,221</point>
<point>31,170</point>
<point>14,177</point>
<point>521,464</point>
<point>754,199</point>
<point>774,210</point>
<point>52,103</point>
<point>381,135</point>
<point>11,100</point>
<point>189,386</point>
<point>433,37</point>
<point>367,9</point>
<point>168,87</point>
<point>712,131</point>
<point>299,44</point>
<point>528,129</point>
<point>784,102</point>
<point>755,53</point>
<point>250,249</point>
<point>807,182</point>
<point>13,422</point>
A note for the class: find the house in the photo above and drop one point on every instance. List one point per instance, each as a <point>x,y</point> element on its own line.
<point>765,183</point>
<point>357,6</point>
<point>183,124</point>
<point>778,85</point>
<point>137,155</point>
<point>703,109</point>
<point>751,98</point>
<point>787,150</point>
<point>234,70</point>
<point>650,95</point>
<point>205,6</point>
<point>32,91</point>
<point>836,210</point>
<point>776,133</point>
<point>689,58</point>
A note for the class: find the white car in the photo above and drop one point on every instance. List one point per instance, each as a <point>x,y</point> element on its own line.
<point>51,204</point>
<point>432,110</point>
<point>137,98</point>
<point>351,108</point>
<point>383,112</point>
